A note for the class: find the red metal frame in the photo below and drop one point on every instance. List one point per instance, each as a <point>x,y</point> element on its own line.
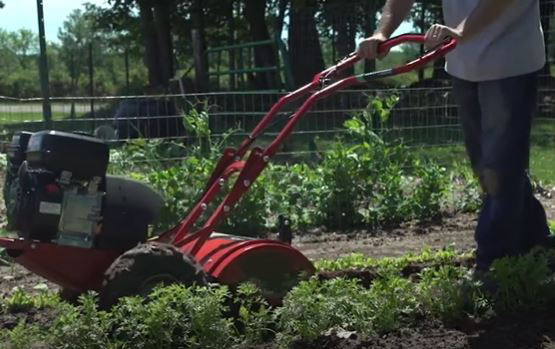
<point>231,162</point>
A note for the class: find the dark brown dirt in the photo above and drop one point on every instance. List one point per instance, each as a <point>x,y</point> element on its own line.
<point>523,331</point>
<point>456,231</point>
<point>40,317</point>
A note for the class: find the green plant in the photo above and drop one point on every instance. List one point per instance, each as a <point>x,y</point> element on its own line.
<point>23,336</point>
<point>447,293</point>
<point>523,283</point>
<point>81,327</point>
<point>137,324</point>
<point>175,317</point>
<point>551,224</point>
<point>464,189</point>
<point>392,301</point>
<point>314,307</point>
<point>3,162</point>
<point>255,316</point>
<point>19,301</point>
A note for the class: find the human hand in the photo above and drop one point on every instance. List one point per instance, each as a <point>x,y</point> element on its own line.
<point>368,48</point>
<point>437,34</point>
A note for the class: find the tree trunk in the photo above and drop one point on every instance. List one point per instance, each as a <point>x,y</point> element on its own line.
<point>150,41</point>
<point>230,41</point>
<point>304,45</point>
<point>265,55</point>
<point>164,40</point>
<point>344,23</point>
<point>198,34</point>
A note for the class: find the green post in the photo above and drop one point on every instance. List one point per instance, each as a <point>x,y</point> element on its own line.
<point>43,70</point>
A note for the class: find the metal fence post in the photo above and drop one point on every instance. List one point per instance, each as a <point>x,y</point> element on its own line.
<point>43,69</point>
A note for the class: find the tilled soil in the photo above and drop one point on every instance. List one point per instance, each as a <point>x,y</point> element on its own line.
<point>524,331</point>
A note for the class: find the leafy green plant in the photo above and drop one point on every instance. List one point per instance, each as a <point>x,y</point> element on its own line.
<point>255,316</point>
<point>137,324</point>
<point>447,293</point>
<point>19,301</point>
<point>551,224</point>
<point>3,162</point>
<point>23,336</point>
<point>174,317</point>
<point>392,301</point>
<point>314,307</point>
<point>522,283</point>
<point>464,189</point>
<point>82,326</point>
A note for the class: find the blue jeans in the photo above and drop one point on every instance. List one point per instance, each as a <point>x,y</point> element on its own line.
<point>496,118</point>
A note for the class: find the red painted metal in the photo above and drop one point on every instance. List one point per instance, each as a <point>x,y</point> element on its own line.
<point>320,87</point>
<point>231,260</point>
<point>75,268</point>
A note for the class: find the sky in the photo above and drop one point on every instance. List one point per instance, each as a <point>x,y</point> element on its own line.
<point>18,14</point>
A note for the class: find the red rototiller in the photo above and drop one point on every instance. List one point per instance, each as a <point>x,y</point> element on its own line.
<point>85,230</point>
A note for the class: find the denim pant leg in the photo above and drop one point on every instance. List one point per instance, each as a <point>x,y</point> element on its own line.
<point>496,119</point>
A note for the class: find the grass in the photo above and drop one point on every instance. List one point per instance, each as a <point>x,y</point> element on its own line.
<point>17,117</point>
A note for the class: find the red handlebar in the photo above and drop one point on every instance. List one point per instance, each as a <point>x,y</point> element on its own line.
<point>249,170</point>
<point>387,45</point>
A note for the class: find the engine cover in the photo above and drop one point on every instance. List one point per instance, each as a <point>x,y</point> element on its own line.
<point>83,156</point>
<point>57,190</point>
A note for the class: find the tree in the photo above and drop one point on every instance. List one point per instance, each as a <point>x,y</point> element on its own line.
<point>75,36</point>
<point>264,56</point>
<point>153,20</point>
<point>24,43</point>
<point>304,44</point>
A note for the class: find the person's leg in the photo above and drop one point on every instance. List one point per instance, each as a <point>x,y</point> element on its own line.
<point>537,229</point>
<point>470,118</point>
<point>510,210</point>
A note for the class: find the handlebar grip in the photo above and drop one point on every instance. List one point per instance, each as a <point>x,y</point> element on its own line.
<point>387,45</point>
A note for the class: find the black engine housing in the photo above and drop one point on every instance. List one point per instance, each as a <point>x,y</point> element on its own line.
<point>56,189</point>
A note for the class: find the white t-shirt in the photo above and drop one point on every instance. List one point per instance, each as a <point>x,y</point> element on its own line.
<point>512,45</point>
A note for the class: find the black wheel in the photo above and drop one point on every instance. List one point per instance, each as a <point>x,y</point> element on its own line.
<point>139,270</point>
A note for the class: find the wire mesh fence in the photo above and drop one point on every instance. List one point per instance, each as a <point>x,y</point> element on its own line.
<point>421,116</point>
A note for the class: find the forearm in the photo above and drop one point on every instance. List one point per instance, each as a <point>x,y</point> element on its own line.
<point>484,14</point>
<point>393,14</point>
